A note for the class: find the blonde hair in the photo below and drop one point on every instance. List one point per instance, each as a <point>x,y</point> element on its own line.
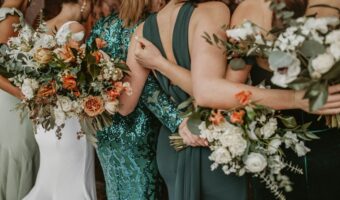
<point>131,11</point>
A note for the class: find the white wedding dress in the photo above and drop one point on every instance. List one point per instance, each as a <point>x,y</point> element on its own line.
<point>66,165</point>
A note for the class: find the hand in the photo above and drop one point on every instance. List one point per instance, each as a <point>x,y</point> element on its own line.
<point>18,94</point>
<point>189,138</point>
<point>331,107</point>
<point>147,54</point>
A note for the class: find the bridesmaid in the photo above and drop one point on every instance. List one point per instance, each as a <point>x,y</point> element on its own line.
<point>186,173</point>
<point>19,156</point>
<point>126,150</point>
<point>206,55</point>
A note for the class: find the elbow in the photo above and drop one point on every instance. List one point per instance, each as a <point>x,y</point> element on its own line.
<point>202,99</point>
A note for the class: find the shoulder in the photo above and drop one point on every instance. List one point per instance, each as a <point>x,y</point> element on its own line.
<point>76,27</point>
<point>258,13</point>
<point>212,10</point>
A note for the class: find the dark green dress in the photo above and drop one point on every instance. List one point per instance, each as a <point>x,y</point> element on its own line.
<point>127,149</point>
<point>321,166</point>
<point>187,174</point>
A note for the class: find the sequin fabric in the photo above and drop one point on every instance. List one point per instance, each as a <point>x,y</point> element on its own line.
<point>127,149</point>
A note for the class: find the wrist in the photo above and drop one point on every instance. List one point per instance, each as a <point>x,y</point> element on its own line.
<point>162,64</point>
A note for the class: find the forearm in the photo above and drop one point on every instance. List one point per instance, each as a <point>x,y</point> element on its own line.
<point>220,93</point>
<point>178,75</point>
<point>9,88</point>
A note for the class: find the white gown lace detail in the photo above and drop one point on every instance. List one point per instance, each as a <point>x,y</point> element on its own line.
<point>67,165</point>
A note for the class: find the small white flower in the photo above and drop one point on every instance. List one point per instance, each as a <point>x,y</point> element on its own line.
<point>112,106</point>
<point>269,128</point>
<point>241,33</point>
<point>27,89</point>
<point>290,139</point>
<point>301,149</point>
<point>60,116</point>
<point>283,75</point>
<point>323,63</point>
<point>334,49</point>
<point>65,103</point>
<point>274,145</point>
<point>255,162</point>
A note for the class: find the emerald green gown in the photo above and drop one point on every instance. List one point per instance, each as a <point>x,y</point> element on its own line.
<point>187,173</point>
<point>127,149</point>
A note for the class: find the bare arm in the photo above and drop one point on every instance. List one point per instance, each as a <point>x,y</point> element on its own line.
<point>150,57</point>
<point>137,78</point>
<point>322,11</point>
<point>212,90</point>
<point>7,31</point>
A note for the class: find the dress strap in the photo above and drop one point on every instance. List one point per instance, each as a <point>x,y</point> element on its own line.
<point>11,11</point>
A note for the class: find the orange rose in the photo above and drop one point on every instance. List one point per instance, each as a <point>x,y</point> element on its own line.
<point>100,43</point>
<point>97,55</point>
<point>93,106</point>
<point>76,93</point>
<point>69,82</point>
<point>243,97</point>
<point>47,90</point>
<point>112,94</point>
<point>66,54</point>
<point>237,117</point>
<point>216,117</point>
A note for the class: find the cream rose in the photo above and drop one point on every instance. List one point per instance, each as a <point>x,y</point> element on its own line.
<point>255,162</point>
<point>112,106</point>
<point>42,56</point>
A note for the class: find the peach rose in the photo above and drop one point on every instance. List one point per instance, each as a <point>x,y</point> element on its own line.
<point>47,90</point>
<point>243,97</point>
<point>216,117</point>
<point>112,94</point>
<point>66,54</point>
<point>93,106</point>
<point>69,82</point>
<point>237,117</point>
<point>97,55</point>
<point>42,56</point>
<point>100,43</point>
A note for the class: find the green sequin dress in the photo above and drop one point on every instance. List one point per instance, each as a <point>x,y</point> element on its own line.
<point>127,149</point>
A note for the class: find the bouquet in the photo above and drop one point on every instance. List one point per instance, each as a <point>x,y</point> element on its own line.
<point>249,139</point>
<point>64,81</point>
<point>306,56</point>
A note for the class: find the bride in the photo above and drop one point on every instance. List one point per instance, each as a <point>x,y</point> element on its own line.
<point>67,165</point>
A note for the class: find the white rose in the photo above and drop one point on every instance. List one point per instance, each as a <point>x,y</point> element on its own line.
<point>65,103</point>
<point>301,149</point>
<point>112,106</point>
<point>283,75</point>
<point>333,36</point>
<point>233,140</point>
<point>274,145</point>
<point>323,63</point>
<point>220,156</point>
<point>334,49</point>
<point>60,116</point>
<point>255,162</point>
<point>269,128</point>
<point>27,90</point>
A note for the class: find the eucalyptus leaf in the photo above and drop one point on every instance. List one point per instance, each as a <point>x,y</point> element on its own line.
<point>279,59</point>
<point>312,48</point>
<point>312,136</point>
<point>193,122</point>
<point>320,100</point>
<point>288,121</point>
<point>237,64</point>
<point>300,83</point>
<point>185,104</point>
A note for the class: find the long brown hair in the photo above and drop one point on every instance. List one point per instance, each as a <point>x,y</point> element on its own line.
<point>139,7</point>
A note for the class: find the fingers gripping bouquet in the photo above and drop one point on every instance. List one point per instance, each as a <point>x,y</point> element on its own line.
<point>250,139</point>
<point>64,81</point>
